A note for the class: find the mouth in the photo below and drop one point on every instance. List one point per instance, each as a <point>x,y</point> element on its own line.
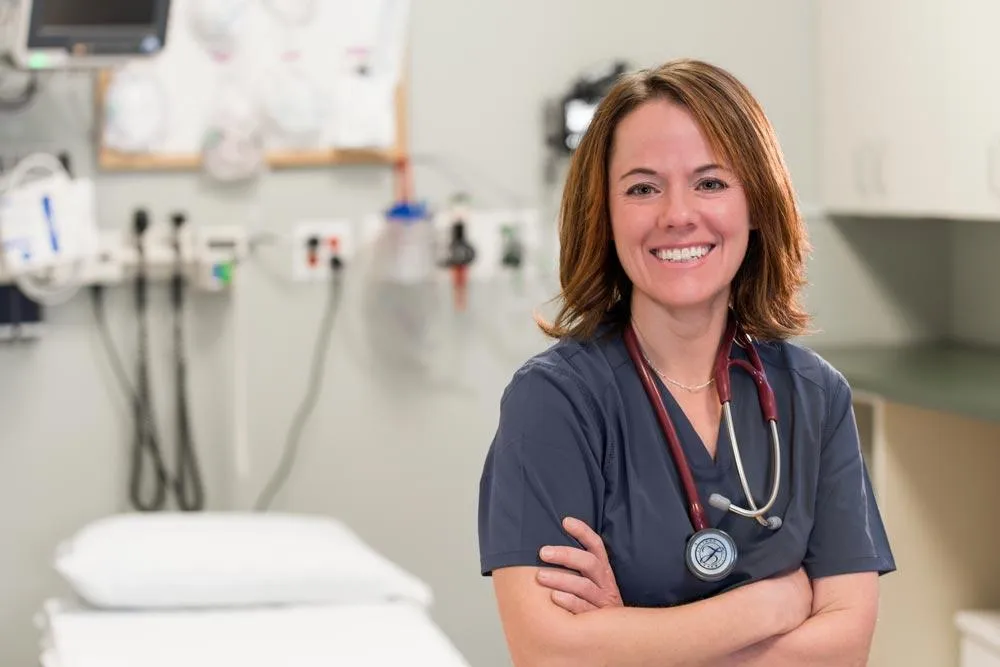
<point>685,255</point>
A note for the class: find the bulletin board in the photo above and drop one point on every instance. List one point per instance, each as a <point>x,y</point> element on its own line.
<point>317,82</point>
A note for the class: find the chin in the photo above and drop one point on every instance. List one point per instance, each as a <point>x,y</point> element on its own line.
<point>686,304</point>
<point>695,300</point>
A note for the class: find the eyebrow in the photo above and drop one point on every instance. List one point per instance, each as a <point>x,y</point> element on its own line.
<point>646,171</point>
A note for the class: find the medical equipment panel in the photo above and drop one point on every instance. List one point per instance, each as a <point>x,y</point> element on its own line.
<point>68,34</point>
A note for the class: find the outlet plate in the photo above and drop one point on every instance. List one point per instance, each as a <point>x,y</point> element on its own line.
<point>317,267</point>
<point>216,250</point>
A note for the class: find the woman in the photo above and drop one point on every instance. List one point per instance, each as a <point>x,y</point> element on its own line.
<point>678,217</point>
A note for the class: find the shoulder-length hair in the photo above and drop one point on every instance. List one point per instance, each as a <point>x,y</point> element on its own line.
<point>595,289</point>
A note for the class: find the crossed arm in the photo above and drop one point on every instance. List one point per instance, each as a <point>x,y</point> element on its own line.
<point>578,620</point>
<point>838,631</point>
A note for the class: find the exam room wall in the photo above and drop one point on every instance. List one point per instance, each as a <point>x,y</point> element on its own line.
<point>975,300</point>
<point>407,483</point>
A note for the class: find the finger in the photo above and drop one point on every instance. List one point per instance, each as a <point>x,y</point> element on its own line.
<point>591,541</point>
<point>571,603</point>
<point>582,561</point>
<point>567,582</point>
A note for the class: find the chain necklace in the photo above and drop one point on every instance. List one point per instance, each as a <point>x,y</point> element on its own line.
<point>692,389</point>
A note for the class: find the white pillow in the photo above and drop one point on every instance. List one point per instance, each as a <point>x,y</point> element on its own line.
<point>181,560</point>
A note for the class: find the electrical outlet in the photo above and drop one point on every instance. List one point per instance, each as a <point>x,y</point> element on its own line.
<point>215,252</point>
<point>314,243</point>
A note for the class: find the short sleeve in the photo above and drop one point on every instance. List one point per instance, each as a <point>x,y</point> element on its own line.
<point>543,465</point>
<point>848,534</point>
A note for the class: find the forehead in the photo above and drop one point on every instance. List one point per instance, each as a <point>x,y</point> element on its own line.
<point>660,132</point>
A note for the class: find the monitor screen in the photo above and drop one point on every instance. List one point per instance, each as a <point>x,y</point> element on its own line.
<point>90,32</point>
<point>77,13</point>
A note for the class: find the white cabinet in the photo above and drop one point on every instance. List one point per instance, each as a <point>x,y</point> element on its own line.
<point>851,126</point>
<point>971,52</point>
<point>910,107</point>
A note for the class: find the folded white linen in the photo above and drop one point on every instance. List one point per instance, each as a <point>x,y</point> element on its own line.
<point>363,635</point>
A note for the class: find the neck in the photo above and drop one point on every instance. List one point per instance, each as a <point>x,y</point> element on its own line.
<point>681,344</point>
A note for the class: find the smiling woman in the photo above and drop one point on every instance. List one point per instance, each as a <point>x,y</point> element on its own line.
<point>682,249</point>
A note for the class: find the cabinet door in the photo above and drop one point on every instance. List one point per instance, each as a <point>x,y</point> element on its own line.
<point>971,55</point>
<point>913,163</point>
<point>850,76</point>
<point>881,121</point>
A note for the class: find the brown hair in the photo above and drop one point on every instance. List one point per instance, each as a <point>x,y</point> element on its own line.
<point>765,294</point>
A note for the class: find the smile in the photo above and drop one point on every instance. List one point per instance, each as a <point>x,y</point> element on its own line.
<point>680,255</point>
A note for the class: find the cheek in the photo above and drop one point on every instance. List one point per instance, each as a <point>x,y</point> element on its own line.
<point>621,230</point>
<point>628,225</point>
<point>733,224</point>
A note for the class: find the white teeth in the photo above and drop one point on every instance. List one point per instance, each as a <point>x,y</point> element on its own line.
<point>683,254</point>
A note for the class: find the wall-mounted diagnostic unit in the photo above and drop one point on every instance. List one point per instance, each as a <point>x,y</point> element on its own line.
<point>86,34</point>
<point>570,116</point>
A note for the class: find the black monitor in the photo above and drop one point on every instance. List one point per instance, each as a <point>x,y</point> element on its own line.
<point>57,34</point>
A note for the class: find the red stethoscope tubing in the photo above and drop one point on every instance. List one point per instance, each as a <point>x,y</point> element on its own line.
<point>723,362</point>
<point>696,511</point>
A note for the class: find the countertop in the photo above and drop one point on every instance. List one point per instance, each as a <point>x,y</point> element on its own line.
<point>951,377</point>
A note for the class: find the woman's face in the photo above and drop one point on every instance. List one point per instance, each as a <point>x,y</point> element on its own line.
<point>679,217</point>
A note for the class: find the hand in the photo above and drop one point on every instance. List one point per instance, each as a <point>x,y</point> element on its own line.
<point>792,598</point>
<point>596,588</point>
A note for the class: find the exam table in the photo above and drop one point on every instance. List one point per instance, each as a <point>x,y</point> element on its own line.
<point>172,591</point>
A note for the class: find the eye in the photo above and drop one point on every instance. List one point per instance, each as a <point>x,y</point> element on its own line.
<point>641,190</point>
<point>712,185</point>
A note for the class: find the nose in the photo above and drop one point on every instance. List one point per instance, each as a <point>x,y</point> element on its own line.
<point>678,209</point>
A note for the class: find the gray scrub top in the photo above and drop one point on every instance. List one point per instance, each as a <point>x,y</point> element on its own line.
<point>578,437</point>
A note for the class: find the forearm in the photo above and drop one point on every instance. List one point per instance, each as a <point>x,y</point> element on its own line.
<point>697,634</point>
<point>838,632</point>
<point>836,638</point>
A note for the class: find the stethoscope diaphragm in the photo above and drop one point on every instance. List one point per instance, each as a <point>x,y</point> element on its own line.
<point>711,554</point>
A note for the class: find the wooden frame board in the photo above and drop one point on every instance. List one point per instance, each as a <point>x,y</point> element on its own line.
<point>112,160</point>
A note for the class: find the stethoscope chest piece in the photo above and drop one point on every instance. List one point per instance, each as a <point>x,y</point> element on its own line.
<point>711,554</point>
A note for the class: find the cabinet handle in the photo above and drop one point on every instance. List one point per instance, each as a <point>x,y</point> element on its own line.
<point>991,168</point>
<point>880,170</point>
<point>860,175</point>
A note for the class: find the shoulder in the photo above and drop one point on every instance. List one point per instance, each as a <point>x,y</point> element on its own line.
<point>564,392</point>
<point>812,370</point>
<point>570,370</point>
<point>803,362</point>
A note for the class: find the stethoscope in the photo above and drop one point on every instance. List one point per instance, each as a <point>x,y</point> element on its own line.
<point>711,553</point>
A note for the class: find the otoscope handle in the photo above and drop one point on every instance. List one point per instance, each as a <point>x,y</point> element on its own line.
<point>177,280</point>
<point>176,289</point>
<point>140,223</point>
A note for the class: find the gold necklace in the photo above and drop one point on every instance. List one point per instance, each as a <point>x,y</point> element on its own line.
<point>692,389</point>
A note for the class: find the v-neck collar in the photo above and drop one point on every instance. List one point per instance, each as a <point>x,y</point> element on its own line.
<point>692,444</point>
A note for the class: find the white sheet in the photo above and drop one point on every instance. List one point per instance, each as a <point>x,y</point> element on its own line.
<point>303,636</point>
<point>206,560</point>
